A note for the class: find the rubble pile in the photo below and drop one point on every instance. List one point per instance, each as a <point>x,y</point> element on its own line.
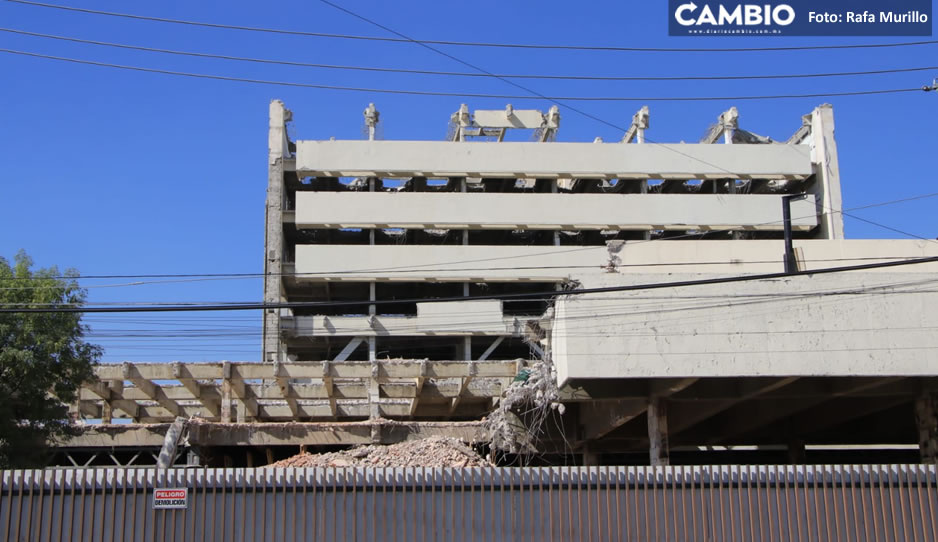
<point>429,452</point>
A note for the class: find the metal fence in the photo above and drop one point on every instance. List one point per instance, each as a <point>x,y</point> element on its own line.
<point>877,503</point>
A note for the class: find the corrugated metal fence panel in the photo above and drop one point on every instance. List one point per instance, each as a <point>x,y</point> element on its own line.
<point>774,503</point>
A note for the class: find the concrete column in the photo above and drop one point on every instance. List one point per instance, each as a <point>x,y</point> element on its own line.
<point>374,389</point>
<point>170,442</point>
<point>226,401</point>
<point>643,189</point>
<point>796,452</point>
<point>278,149</point>
<point>926,418</point>
<point>658,450</point>
<point>827,172</point>
<point>467,340</point>
<point>106,412</point>
<point>554,190</point>
<point>590,457</point>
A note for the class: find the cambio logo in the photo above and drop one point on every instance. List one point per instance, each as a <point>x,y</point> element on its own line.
<point>741,15</point>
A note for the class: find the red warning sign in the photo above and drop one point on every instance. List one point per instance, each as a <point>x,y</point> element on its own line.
<point>170,498</point>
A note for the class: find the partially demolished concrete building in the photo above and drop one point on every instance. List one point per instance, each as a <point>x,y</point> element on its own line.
<point>417,287</point>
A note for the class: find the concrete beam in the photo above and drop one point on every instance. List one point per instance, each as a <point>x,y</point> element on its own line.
<point>438,319</point>
<point>338,390</point>
<point>350,347</point>
<point>356,389</point>
<point>509,118</point>
<point>248,403</point>
<point>826,417</point>
<point>686,415</point>
<point>211,401</point>
<point>463,385</point>
<point>203,434</point>
<point>418,388</point>
<point>555,160</point>
<point>252,370</point>
<point>599,418</point>
<point>549,211</point>
<point>286,389</point>
<point>153,391</point>
<point>756,414</point>
<point>723,389</point>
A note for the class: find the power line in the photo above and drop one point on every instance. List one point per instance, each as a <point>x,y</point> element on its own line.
<point>504,296</point>
<point>468,74</point>
<point>535,93</point>
<point>890,228</point>
<point>524,88</point>
<point>477,44</point>
<point>226,276</point>
<point>406,38</point>
<point>403,37</point>
<point>589,317</point>
<point>663,305</point>
<point>555,99</point>
<point>428,267</point>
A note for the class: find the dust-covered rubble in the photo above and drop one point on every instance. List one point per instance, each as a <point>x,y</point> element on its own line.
<point>432,452</point>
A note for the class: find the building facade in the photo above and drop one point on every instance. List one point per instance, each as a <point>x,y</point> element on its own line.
<point>614,300</point>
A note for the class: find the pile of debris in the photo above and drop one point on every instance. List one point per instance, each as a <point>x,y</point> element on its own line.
<point>534,392</point>
<point>430,452</point>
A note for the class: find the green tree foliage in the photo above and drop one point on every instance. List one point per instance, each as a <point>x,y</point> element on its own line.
<point>43,359</point>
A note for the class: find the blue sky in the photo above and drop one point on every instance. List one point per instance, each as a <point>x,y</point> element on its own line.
<point>120,172</point>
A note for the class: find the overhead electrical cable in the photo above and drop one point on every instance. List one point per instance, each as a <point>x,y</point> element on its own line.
<point>470,74</point>
<point>235,276</point>
<point>504,296</point>
<point>475,67</point>
<point>890,228</point>
<point>588,317</point>
<point>555,99</point>
<point>430,267</point>
<point>522,87</point>
<point>438,51</point>
<point>608,48</point>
